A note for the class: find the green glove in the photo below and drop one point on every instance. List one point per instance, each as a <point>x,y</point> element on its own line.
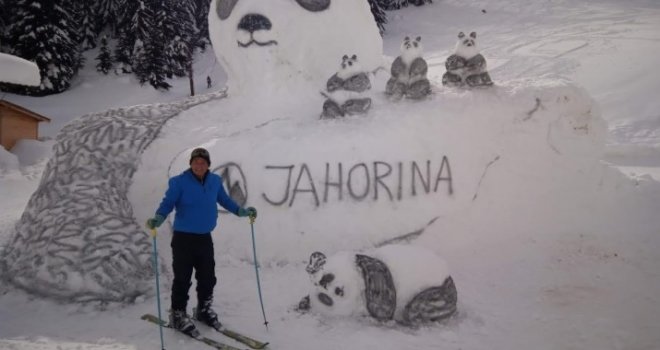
<point>155,221</point>
<point>250,211</point>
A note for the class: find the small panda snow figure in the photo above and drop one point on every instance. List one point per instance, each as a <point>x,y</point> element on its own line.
<point>346,90</point>
<point>409,285</point>
<point>409,72</point>
<point>466,65</point>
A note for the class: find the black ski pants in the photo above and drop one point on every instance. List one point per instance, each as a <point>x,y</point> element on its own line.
<point>192,251</point>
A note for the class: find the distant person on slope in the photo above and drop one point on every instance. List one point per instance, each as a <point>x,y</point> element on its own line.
<point>194,194</point>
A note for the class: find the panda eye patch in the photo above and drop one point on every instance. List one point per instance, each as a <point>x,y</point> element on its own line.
<point>326,279</point>
<point>224,8</point>
<point>314,5</point>
<point>325,299</point>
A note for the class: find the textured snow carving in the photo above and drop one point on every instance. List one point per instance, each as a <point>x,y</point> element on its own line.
<point>77,239</point>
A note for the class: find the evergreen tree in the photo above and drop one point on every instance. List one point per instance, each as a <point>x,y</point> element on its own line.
<point>105,59</point>
<point>44,32</point>
<point>3,20</point>
<point>111,13</point>
<point>75,34</point>
<point>180,34</point>
<point>125,38</point>
<point>141,26</point>
<point>202,38</point>
<point>148,51</point>
<point>379,15</point>
<point>155,49</point>
<point>88,23</point>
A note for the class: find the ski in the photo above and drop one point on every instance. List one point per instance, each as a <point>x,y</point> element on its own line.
<point>253,343</point>
<point>208,341</point>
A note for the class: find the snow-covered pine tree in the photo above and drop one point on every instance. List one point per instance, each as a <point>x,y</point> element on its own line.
<point>111,13</point>
<point>202,23</point>
<point>43,31</point>
<point>104,58</point>
<point>142,25</point>
<point>148,52</point>
<point>125,37</point>
<point>88,22</point>
<point>180,34</point>
<point>3,20</point>
<point>379,15</point>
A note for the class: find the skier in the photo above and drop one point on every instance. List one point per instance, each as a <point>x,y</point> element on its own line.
<point>208,82</point>
<point>194,194</point>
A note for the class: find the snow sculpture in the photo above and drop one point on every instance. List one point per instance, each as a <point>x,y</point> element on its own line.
<point>78,239</point>
<point>346,90</point>
<point>384,283</point>
<point>266,45</point>
<point>409,72</point>
<point>466,65</point>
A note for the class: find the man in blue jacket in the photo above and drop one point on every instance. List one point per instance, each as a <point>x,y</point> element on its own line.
<point>194,194</point>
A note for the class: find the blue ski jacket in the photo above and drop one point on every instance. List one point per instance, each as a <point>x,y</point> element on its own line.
<point>195,202</point>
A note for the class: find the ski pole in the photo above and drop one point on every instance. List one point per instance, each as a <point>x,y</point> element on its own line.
<point>256,270</point>
<point>160,319</point>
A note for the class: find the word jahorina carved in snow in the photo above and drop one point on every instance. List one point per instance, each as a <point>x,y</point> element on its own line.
<point>374,180</point>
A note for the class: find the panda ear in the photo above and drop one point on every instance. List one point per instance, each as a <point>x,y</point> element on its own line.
<point>406,39</point>
<point>418,39</point>
<point>461,35</point>
<point>354,57</point>
<point>344,58</point>
<point>473,35</point>
<point>316,262</point>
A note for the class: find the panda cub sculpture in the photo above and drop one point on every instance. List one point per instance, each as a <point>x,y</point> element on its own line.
<point>408,72</point>
<point>346,90</point>
<point>466,66</point>
<point>409,285</point>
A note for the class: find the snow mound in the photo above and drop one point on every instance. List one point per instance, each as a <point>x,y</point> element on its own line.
<point>8,162</point>
<point>16,70</point>
<point>31,152</point>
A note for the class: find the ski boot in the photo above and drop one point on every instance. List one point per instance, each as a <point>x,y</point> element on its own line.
<point>205,314</point>
<point>182,323</point>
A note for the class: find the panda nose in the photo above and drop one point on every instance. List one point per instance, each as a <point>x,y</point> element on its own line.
<point>253,22</point>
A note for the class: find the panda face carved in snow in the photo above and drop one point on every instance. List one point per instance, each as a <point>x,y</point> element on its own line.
<point>380,285</point>
<point>264,43</point>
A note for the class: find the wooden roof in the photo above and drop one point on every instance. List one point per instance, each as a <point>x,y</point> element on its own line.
<point>23,110</point>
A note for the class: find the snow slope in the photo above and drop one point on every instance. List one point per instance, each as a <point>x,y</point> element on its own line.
<point>572,264</point>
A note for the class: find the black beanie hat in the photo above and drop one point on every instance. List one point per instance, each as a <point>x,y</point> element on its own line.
<point>201,153</point>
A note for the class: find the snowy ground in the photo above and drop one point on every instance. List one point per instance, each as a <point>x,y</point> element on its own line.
<point>565,286</point>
